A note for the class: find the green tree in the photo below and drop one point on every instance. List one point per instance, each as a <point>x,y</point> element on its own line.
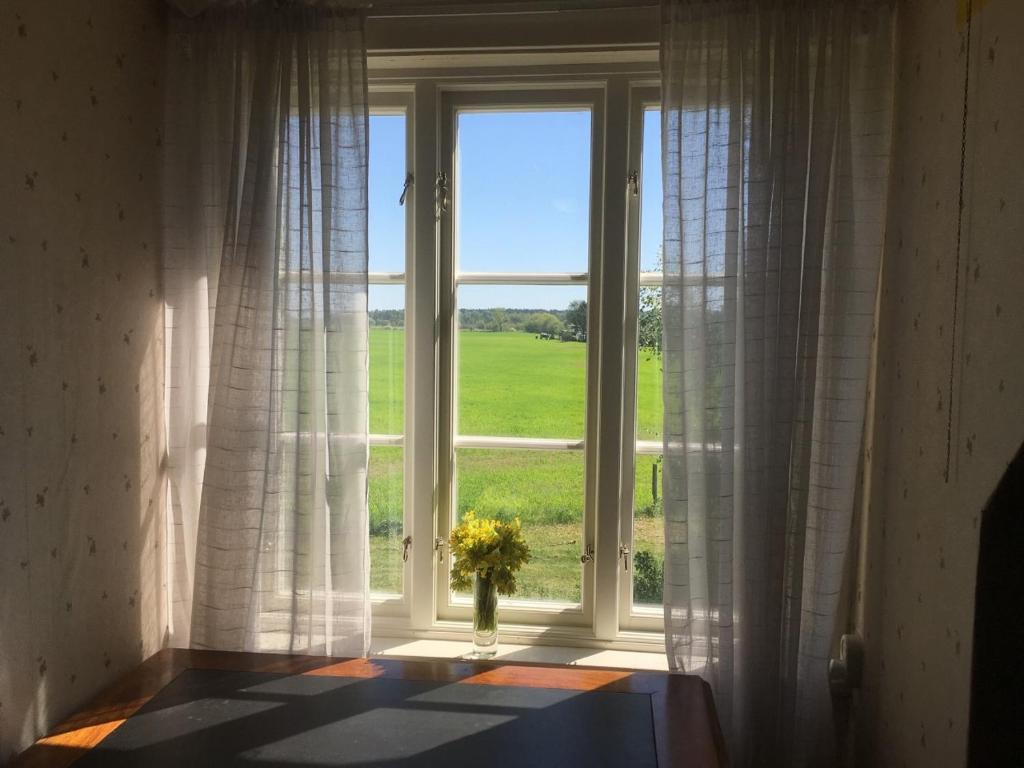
<point>499,319</point>
<point>576,318</point>
<point>649,321</point>
<point>543,322</point>
<point>648,578</point>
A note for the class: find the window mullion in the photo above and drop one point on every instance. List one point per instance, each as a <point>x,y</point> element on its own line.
<point>611,309</point>
<point>634,280</point>
<point>522,278</point>
<point>635,617</point>
<point>421,365</point>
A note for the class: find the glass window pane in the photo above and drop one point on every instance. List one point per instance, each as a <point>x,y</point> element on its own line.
<point>649,397</point>
<point>544,489</point>
<point>387,169</point>
<point>387,359</point>
<point>648,532</point>
<point>651,222</point>
<point>648,515</point>
<point>522,361</point>
<point>523,191</point>
<point>386,494</point>
<point>648,371</point>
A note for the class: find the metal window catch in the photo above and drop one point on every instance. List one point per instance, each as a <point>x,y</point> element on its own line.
<point>439,548</point>
<point>588,554</point>
<point>624,554</point>
<point>633,182</point>
<point>405,188</point>
<point>442,193</point>
<point>406,543</point>
<point>846,673</point>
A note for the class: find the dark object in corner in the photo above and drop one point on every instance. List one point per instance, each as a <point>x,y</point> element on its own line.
<point>997,679</point>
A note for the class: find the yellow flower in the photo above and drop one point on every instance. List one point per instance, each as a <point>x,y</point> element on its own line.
<point>493,547</point>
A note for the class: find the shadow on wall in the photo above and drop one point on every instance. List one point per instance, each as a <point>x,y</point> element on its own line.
<point>997,677</point>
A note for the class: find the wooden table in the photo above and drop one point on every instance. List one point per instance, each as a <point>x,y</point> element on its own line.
<point>685,725</point>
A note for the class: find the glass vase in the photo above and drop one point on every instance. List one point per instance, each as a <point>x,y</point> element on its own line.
<point>485,616</point>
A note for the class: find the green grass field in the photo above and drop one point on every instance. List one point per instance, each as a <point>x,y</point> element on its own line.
<point>511,384</point>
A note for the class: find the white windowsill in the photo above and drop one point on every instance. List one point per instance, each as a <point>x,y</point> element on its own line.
<point>547,654</point>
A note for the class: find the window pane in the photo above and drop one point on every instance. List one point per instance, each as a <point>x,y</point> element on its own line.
<point>544,489</point>
<point>523,191</point>
<point>522,361</point>
<point>651,222</point>
<point>387,169</point>
<point>649,398</point>
<point>386,494</point>
<point>648,370</point>
<point>648,516</point>
<point>648,532</point>
<point>387,359</point>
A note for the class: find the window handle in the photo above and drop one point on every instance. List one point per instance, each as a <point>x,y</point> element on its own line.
<point>405,188</point>
<point>624,554</point>
<point>633,182</point>
<point>439,547</point>
<point>442,193</point>
<point>588,554</point>
<point>406,543</point>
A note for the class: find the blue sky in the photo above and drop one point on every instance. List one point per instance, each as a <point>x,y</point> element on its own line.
<point>522,198</point>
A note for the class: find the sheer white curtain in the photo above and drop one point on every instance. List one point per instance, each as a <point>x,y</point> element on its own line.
<point>265,253</point>
<point>776,130</point>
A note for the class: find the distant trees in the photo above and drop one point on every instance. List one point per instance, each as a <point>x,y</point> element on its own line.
<point>387,318</point>
<point>569,324</point>
<point>544,322</point>
<point>499,319</point>
<point>508,319</point>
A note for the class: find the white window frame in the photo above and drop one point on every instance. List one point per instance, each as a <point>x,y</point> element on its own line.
<point>425,611</point>
<point>529,97</point>
<point>400,102</point>
<point>641,618</point>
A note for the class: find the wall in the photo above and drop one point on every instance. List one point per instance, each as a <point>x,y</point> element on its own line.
<point>917,598</point>
<point>80,354</point>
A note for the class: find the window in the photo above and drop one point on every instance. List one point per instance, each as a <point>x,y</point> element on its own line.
<point>388,255</point>
<point>516,253</point>
<point>644,525</point>
<point>502,377</point>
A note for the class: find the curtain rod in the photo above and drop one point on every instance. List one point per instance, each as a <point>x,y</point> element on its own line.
<point>427,8</point>
<point>434,8</point>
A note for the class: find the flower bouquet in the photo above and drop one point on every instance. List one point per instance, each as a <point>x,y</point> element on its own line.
<point>486,554</point>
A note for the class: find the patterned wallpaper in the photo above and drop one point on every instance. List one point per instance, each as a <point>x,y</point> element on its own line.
<point>917,600</point>
<point>81,536</point>
<point>81,377</point>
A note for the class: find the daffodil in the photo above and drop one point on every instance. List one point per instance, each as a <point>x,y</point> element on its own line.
<point>493,548</point>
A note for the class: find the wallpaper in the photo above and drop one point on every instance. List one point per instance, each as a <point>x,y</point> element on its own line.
<point>917,597</point>
<point>81,535</point>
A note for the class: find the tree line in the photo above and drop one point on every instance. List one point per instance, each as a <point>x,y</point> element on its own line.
<point>557,323</point>
<point>569,324</point>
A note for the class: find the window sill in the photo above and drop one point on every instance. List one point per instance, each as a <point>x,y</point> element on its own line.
<point>393,647</point>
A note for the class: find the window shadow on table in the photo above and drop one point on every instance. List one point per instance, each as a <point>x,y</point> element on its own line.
<point>211,717</point>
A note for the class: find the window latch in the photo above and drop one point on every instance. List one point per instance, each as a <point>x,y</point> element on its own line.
<point>406,543</point>
<point>588,554</point>
<point>442,193</point>
<point>405,188</point>
<point>439,548</point>
<point>624,554</point>
<point>633,182</point>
